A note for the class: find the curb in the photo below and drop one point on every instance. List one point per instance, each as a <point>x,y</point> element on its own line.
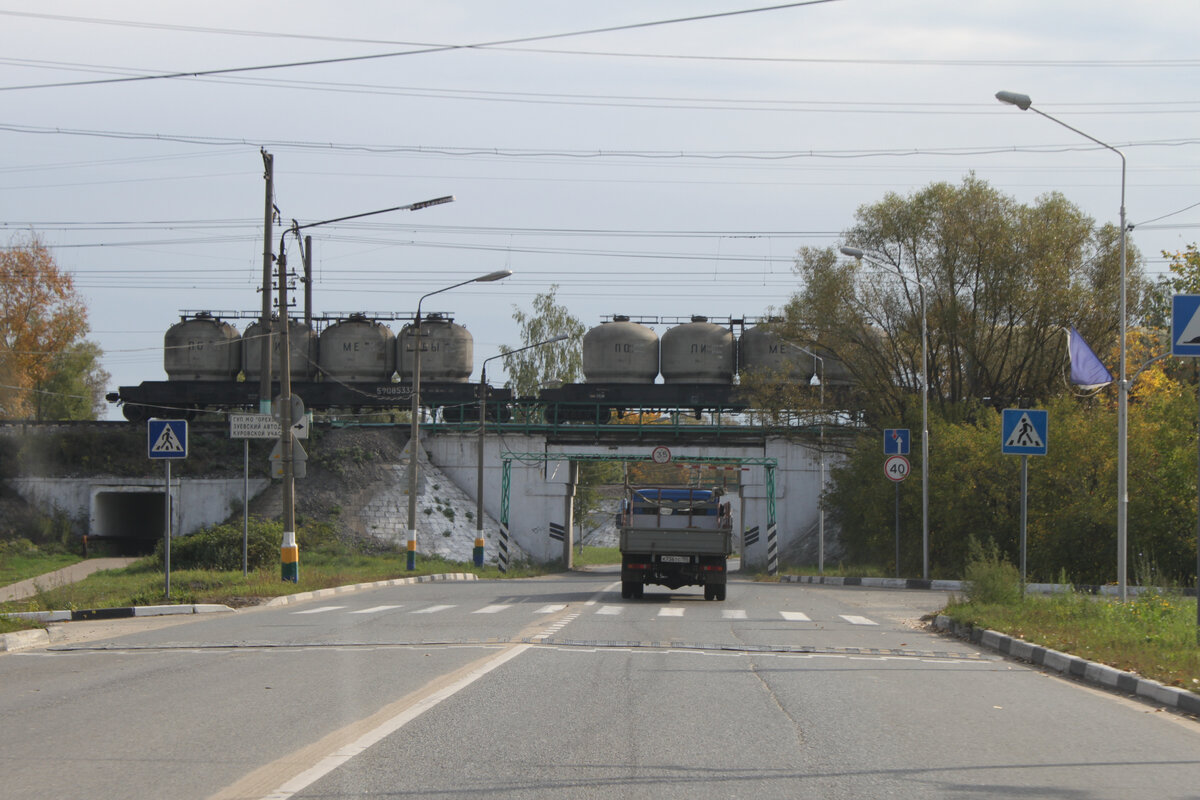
<point>303,596</point>
<point>1087,671</point>
<point>20,640</point>
<point>961,586</point>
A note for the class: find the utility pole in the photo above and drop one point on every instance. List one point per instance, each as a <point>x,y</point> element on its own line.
<point>289,551</point>
<point>264,379</point>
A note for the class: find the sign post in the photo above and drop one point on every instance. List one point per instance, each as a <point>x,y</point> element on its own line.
<point>167,439</point>
<point>1185,343</point>
<point>896,468</point>
<point>1024,432</point>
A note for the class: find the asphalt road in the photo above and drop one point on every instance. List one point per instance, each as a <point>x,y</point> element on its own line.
<point>556,687</point>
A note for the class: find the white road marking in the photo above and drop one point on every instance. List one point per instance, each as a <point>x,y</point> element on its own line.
<point>320,610</point>
<point>496,609</point>
<point>432,610</point>
<point>343,754</point>
<point>551,609</point>
<point>734,613</point>
<point>856,620</point>
<point>670,612</point>
<point>374,609</point>
<point>610,610</point>
<point>795,616</point>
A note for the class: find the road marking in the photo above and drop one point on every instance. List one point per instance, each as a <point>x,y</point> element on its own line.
<point>432,610</point>
<point>855,620</point>
<point>670,612</point>
<point>496,609</point>
<point>551,609</point>
<point>795,616</point>
<point>340,748</point>
<point>609,610</point>
<point>374,609</point>
<point>320,610</point>
<point>734,613</point>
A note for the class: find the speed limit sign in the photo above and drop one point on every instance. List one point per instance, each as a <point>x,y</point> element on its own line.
<point>660,455</point>
<point>896,468</point>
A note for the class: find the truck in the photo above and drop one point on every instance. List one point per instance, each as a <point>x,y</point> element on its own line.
<point>673,537</point>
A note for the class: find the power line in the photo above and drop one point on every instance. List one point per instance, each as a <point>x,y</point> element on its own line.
<point>423,50</point>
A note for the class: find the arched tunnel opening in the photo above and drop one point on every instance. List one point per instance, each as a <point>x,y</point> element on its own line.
<point>130,522</point>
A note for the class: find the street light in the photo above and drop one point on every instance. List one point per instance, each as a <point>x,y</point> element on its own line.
<point>818,379</point>
<point>289,550</point>
<point>482,412</point>
<point>1023,102</point>
<point>855,252</point>
<point>415,430</point>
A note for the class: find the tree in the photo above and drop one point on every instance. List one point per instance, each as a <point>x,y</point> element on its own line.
<point>537,366</point>
<point>47,369</point>
<point>1001,282</point>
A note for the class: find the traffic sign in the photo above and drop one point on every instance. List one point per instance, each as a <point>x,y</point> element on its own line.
<point>1185,325</point>
<point>1024,432</point>
<point>896,468</point>
<point>167,438</point>
<point>661,455</point>
<point>263,426</point>
<point>896,441</point>
<point>299,460</point>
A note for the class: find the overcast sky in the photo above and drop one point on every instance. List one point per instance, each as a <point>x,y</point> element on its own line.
<point>650,169</point>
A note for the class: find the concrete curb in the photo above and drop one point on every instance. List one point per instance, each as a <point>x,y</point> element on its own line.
<point>354,587</point>
<point>1087,671</point>
<point>960,586</point>
<point>20,640</point>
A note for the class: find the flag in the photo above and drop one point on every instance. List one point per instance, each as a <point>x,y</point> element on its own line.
<point>1087,371</point>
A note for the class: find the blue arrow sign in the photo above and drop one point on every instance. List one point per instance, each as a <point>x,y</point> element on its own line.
<point>167,438</point>
<point>1024,432</point>
<point>895,441</point>
<point>1185,325</point>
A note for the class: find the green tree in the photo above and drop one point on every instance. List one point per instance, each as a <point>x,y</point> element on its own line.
<point>562,361</point>
<point>47,369</point>
<point>1002,281</point>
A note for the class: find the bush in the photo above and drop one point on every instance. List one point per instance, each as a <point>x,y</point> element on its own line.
<point>990,579</point>
<point>220,547</point>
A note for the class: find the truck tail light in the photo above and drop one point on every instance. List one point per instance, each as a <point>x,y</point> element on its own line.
<point>712,568</point>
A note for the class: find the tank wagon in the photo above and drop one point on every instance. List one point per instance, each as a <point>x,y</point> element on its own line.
<point>356,363</point>
<point>352,364</point>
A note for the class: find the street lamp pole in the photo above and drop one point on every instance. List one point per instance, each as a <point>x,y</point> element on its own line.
<point>818,379</point>
<point>415,427</point>
<point>855,252</point>
<point>479,543</point>
<point>1023,102</point>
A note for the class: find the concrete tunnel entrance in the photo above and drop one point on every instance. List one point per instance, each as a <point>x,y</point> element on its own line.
<point>130,518</point>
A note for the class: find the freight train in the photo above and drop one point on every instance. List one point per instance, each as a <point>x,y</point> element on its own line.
<point>355,363</point>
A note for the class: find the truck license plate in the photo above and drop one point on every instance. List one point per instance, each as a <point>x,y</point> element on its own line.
<point>675,559</point>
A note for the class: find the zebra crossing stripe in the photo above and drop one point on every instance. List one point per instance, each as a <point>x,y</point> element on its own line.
<point>795,616</point>
<point>856,620</point>
<point>374,609</point>
<point>432,609</point>
<point>496,609</point>
<point>319,610</point>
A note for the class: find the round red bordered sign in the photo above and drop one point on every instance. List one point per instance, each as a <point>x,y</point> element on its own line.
<point>896,468</point>
<point>660,455</point>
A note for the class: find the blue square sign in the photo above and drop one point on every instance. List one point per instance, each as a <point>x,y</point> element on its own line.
<point>167,438</point>
<point>1185,325</point>
<point>895,441</point>
<point>1024,432</point>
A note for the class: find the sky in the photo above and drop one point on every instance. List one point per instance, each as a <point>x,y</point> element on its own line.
<point>647,158</point>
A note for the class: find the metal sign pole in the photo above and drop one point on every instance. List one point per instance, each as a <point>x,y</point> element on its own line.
<point>167,531</point>
<point>1024,515</point>
<point>897,529</point>
<point>245,506</point>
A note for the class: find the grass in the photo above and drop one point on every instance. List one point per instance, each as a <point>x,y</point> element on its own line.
<point>15,568</point>
<point>1154,635</point>
<point>143,583</point>
<point>596,556</point>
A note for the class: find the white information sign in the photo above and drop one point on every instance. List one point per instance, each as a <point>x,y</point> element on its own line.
<point>262,426</point>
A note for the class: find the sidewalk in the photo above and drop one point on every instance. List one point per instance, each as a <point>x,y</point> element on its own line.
<point>60,577</point>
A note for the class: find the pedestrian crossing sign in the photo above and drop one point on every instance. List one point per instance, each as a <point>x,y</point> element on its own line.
<point>1024,432</point>
<point>1185,325</point>
<point>167,438</point>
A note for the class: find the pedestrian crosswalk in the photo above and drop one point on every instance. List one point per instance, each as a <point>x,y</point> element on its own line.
<point>650,611</point>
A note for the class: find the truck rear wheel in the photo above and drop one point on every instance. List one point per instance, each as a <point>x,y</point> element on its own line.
<point>719,592</point>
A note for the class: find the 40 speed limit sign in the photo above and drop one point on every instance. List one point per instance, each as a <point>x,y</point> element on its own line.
<point>896,468</point>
